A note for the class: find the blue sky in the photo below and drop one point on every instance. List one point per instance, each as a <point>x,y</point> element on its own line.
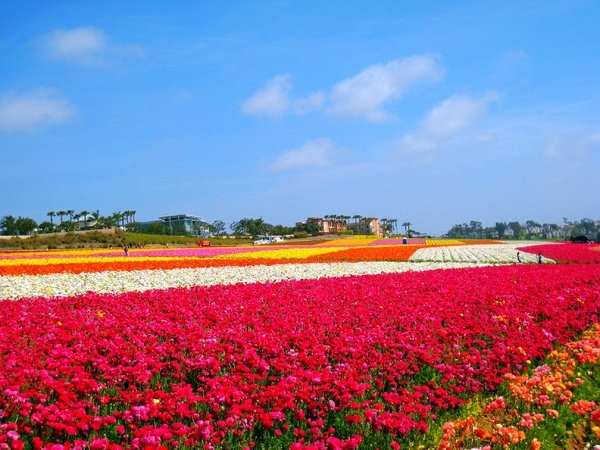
<point>430,112</point>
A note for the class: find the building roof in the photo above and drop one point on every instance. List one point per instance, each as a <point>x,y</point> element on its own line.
<point>179,216</point>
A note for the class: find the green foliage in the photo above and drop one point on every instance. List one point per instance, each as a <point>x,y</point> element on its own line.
<point>250,227</point>
<point>178,230</point>
<point>8,225</point>
<point>309,228</point>
<point>25,225</point>
<point>217,228</point>
<point>281,230</point>
<point>46,227</point>
<point>154,228</point>
<point>528,230</point>
<point>94,239</point>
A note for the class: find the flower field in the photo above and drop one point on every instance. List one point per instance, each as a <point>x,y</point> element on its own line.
<point>568,253</point>
<point>492,254</point>
<point>369,345</point>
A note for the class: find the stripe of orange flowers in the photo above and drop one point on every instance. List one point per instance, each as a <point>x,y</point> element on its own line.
<point>391,253</point>
<point>93,267</point>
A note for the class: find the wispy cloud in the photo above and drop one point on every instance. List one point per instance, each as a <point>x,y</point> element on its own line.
<point>571,148</point>
<point>316,153</point>
<point>272,100</point>
<point>445,120</point>
<point>310,103</point>
<point>510,60</point>
<point>38,109</point>
<point>85,45</point>
<point>366,94</point>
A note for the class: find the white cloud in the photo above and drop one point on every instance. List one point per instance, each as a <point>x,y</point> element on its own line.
<point>317,153</point>
<point>573,147</point>
<point>511,59</point>
<point>272,100</point>
<point>79,44</point>
<point>33,110</point>
<point>417,143</point>
<point>445,120</point>
<point>85,45</point>
<point>365,94</point>
<point>484,138</point>
<point>312,102</point>
<point>455,114</point>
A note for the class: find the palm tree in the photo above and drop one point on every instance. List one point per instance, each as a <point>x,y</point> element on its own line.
<point>96,216</point>
<point>60,214</point>
<point>133,215</point>
<point>84,214</point>
<point>70,212</point>
<point>120,217</point>
<point>51,214</point>
<point>406,226</point>
<point>345,218</point>
<point>385,226</point>
<point>113,219</point>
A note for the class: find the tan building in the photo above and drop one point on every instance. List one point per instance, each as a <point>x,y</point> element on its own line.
<point>329,225</point>
<point>334,226</point>
<point>367,225</point>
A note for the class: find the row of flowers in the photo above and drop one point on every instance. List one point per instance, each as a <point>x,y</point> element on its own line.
<point>294,363</point>
<point>507,253</point>
<point>65,284</point>
<point>209,252</point>
<point>568,253</point>
<point>197,258</point>
<point>563,386</point>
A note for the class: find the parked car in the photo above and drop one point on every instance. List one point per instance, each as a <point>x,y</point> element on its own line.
<point>268,240</point>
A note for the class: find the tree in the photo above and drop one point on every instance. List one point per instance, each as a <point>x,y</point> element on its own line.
<point>51,214</point>
<point>218,227</point>
<point>500,229</point>
<point>587,226</point>
<point>60,214</point>
<point>406,226</point>
<point>70,212</point>
<point>25,225</point>
<point>7,223</point>
<point>309,228</point>
<point>457,231</point>
<point>84,214</point>
<point>253,227</point>
<point>112,221</point>
<point>476,229</point>
<point>45,227</point>
<point>127,215</point>
<point>201,228</point>
<point>96,216</point>
<point>386,226</point>
<point>68,226</point>
<point>517,229</point>
<point>281,230</point>
<point>178,230</point>
<point>156,228</point>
